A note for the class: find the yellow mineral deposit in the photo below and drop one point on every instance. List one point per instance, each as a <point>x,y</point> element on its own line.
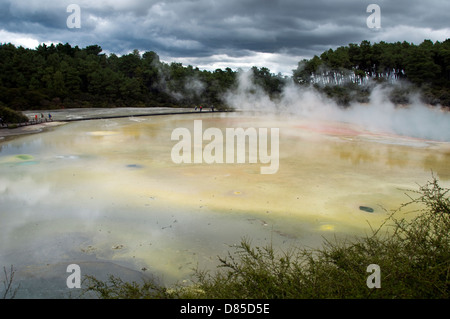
<point>111,186</point>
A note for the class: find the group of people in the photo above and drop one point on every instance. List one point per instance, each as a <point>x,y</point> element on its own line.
<point>200,108</point>
<point>42,117</point>
<point>36,119</point>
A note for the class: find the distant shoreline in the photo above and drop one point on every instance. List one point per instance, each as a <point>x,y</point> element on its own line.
<point>89,114</point>
<point>132,115</point>
<point>29,129</point>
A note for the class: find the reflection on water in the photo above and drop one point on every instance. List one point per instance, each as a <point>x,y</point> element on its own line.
<point>106,195</point>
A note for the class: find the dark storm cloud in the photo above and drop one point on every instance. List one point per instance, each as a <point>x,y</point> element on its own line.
<point>235,28</point>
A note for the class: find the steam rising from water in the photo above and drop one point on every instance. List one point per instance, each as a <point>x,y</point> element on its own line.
<point>379,115</point>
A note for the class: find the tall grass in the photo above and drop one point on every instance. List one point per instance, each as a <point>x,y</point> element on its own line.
<point>413,255</point>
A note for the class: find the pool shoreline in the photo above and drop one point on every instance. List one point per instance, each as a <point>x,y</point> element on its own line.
<point>29,129</point>
<point>40,127</point>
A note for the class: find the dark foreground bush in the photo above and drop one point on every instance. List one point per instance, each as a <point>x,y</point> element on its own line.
<point>413,255</point>
<point>10,116</point>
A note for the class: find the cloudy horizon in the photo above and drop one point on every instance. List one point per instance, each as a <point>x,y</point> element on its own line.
<point>212,34</point>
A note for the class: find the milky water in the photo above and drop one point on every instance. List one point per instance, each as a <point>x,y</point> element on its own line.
<point>106,195</point>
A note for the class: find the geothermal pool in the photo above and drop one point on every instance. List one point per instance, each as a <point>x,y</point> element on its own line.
<point>106,195</point>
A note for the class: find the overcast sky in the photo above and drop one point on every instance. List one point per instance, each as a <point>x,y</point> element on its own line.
<point>214,34</point>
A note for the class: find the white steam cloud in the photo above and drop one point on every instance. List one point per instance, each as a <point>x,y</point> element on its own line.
<point>378,115</point>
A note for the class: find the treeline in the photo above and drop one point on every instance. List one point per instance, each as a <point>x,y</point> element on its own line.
<point>57,76</point>
<point>426,66</point>
<point>60,75</point>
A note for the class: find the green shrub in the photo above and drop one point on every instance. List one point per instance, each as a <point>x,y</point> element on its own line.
<point>10,116</point>
<point>116,288</point>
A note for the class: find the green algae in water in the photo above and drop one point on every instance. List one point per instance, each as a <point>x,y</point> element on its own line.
<point>24,157</point>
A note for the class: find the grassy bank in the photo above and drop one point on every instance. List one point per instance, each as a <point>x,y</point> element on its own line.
<point>413,255</point>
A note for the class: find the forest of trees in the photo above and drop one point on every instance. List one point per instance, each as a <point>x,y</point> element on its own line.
<point>64,76</point>
<point>425,67</point>
<point>61,75</point>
